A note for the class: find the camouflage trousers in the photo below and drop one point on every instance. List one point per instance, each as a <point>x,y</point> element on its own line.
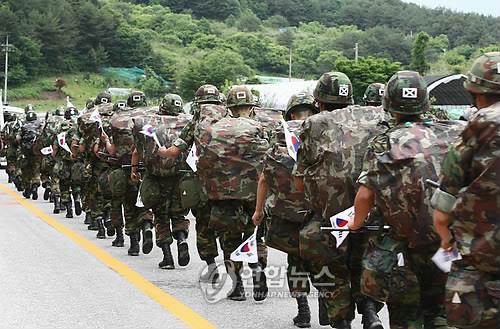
<point>162,196</point>
<point>11,162</point>
<point>46,170</point>
<point>30,172</point>
<point>64,184</point>
<point>206,237</point>
<point>472,298</point>
<point>232,218</point>
<point>97,199</point>
<point>409,282</point>
<point>125,192</point>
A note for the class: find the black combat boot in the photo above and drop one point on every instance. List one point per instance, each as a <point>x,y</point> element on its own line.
<point>211,275</point>
<point>168,261</point>
<point>110,229</point>
<point>370,318</point>
<point>342,324</point>
<point>147,234</point>
<point>260,289</point>
<point>57,204</point>
<point>46,193</point>
<point>238,293</point>
<point>101,233</point>
<point>134,244</point>
<point>18,182</point>
<point>27,193</point>
<point>93,225</point>
<point>34,192</point>
<point>324,320</point>
<point>182,249</point>
<point>86,221</point>
<point>303,318</point>
<point>118,241</point>
<point>78,203</point>
<point>69,210</point>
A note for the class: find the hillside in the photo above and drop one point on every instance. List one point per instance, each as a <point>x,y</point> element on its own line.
<point>189,43</point>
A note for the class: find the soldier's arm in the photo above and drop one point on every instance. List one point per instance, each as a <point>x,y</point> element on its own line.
<point>365,197</point>
<point>186,137</point>
<point>302,160</point>
<point>262,190</point>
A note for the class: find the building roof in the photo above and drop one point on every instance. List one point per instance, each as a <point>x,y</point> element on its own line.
<point>448,89</point>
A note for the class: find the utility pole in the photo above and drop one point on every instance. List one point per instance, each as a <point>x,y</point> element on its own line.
<point>290,66</point>
<point>6,48</point>
<point>356,52</point>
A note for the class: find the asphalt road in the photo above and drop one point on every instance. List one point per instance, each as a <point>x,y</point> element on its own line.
<point>50,281</point>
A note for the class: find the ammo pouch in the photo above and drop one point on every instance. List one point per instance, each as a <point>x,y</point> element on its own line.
<point>472,298</point>
<point>283,235</point>
<point>319,246</point>
<point>382,254</point>
<point>191,191</point>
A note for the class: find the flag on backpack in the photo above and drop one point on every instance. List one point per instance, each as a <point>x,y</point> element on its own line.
<point>292,141</point>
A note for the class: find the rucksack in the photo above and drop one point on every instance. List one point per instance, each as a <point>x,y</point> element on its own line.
<point>29,134</point>
<point>230,158</point>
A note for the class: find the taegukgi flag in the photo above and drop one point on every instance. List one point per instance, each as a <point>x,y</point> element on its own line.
<point>292,141</point>
<point>247,251</point>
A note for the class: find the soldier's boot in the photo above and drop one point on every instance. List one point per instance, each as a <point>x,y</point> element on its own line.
<point>134,244</point>
<point>110,229</point>
<point>93,226</point>
<point>27,193</point>
<point>238,293</point>
<point>18,182</point>
<point>78,203</point>
<point>182,249</point>
<point>212,274</point>
<point>370,318</point>
<point>119,240</point>
<point>86,221</point>
<point>147,234</point>
<point>34,192</point>
<point>342,324</point>
<point>10,180</point>
<point>303,318</point>
<point>260,289</point>
<point>324,320</point>
<point>57,204</point>
<point>101,232</point>
<point>46,193</point>
<point>168,261</point>
<point>69,210</point>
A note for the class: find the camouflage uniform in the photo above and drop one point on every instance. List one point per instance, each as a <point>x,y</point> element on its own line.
<point>233,195</point>
<point>47,165</point>
<point>160,190</point>
<point>329,160</point>
<point>30,157</point>
<point>469,191</point>
<point>396,166</point>
<point>204,114</point>
<point>10,145</point>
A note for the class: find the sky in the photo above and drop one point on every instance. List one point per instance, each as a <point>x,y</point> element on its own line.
<point>486,7</point>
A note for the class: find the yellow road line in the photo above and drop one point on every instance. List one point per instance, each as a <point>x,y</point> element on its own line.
<point>167,301</point>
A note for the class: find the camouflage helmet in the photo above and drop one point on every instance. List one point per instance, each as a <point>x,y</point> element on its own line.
<point>240,96</point>
<point>89,103</point>
<point>59,111</point>
<point>31,116</point>
<point>484,75</point>
<point>70,111</point>
<point>103,98</point>
<point>406,93</point>
<point>137,99</point>
<point>334,88</point>
<point>29,108</point>
<point>207,94</point>
<point>171,104</point>
<point>302,100</point>
<point>119,105</point>
<point>374,93</point>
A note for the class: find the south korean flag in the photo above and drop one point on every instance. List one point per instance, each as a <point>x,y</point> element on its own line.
<point>344,90</point>
<point>410,93</point>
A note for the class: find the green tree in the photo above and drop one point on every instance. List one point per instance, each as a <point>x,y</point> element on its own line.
<point>418,58</point>
<point>216,67</point>
<point>247,21</point>
<point>366,71</point>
